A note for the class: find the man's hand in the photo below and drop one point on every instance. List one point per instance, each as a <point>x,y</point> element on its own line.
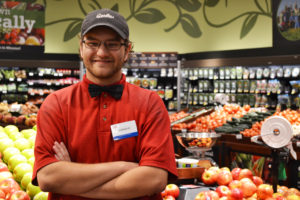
<point>61,152</point>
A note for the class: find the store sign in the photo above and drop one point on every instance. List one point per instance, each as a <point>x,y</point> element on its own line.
<point>22,25</point>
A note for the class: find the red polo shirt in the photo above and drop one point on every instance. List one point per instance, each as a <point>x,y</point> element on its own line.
<point>84,124</point>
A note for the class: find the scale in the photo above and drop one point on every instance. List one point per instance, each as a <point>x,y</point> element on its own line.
<point>277,134</point>
<point>197,144</point>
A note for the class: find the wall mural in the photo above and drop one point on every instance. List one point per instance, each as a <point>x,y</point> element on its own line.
<point>144,13</point>
<point>264,9</point>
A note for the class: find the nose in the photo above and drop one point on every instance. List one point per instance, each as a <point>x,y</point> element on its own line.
<point>102,50</point>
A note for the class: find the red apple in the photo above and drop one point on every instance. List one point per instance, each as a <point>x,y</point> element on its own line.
<point>293,197</point>
<point>224,177</point>
<point>209,177</point>
<point>172,189</point>
<point>5,175</point>
<point>3,167</point>
<point>235,194</point>
<point>223,198</point>
<point>163,193</point>
<point>293,191</point>
<point>277,195</point>
<point>213,194</point>
<point>257,180</point>
<point>222,190</point>
<point>283,190</point>
<point>235,184</point>
<point>9,185</point>
<point>236,173</point>
<point>248,187</point>
<point>205,195</point>
<point>215,169</point>
<point>19,195</point>
<point>245,173</point>
<point>2,194</point>
<point>264,191</point>
<point>225,168</point>
<point>169,197</point>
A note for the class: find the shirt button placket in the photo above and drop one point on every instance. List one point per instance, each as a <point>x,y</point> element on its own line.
<point>104,106</point>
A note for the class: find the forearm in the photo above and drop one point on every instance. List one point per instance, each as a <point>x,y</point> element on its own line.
<point>140,181</point>
<point>61,177</point>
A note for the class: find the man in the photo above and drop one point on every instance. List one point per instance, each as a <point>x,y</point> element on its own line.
<point>103,143</point>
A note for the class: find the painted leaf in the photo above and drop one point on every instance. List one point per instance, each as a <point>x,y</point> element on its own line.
<point>150,16</point>
<point>248,25</point>
<point>189,5</point>
<point>211,3</point>
<point>88,5</point>
<point>115,7</point>
<point>190,26</point>
<point>72,30</point>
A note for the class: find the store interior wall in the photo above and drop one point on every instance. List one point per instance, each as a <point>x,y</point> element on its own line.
<point>158,26</point>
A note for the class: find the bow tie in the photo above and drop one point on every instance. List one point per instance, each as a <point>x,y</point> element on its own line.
<point>113,90</point>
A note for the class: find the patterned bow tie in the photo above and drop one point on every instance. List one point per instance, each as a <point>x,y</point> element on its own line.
<point>114,90</point>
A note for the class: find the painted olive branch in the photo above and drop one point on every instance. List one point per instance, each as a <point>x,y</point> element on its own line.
<point>237,17</point>
<point>63,20</point>
<point>249,22</point>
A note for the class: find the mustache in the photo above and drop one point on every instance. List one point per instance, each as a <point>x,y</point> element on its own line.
<point>102,59</point>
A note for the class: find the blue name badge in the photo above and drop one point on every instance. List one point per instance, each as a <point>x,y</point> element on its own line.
<point>124,130</point>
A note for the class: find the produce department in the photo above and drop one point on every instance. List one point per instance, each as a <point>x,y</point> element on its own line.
<point>201,175</point>
<point>213,115</point>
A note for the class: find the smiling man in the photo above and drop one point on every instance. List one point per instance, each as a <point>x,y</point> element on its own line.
<point>103,138</point>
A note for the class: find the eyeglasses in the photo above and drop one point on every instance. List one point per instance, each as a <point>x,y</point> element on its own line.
<point>110,45</point>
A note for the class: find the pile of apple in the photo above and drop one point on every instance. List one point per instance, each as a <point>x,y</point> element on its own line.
<point>16,164</point>
<point>240,184</point>
<point>171,192</point>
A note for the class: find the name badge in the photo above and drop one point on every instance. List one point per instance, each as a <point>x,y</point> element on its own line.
<point>124,130</point>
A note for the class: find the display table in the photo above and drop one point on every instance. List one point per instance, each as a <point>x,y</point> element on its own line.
<point>229,143</point>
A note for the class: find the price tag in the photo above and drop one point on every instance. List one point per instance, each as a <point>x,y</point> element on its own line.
<point>30,74</point>
<point>48,83</point>
<point>31,93</point>
<point>19,79</point>
<point>11,79</point>
<point>239,136</point>
<point>57,83</point>
<point>30,83</point>
<point>4,91</point>
<point>60,74</point>
<point>55,74</point>
<point>41,74</point>
<point>41,93</point>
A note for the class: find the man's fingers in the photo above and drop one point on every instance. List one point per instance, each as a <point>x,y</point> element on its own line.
<point>61,152</point>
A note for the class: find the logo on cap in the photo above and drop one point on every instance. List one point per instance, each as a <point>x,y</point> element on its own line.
<point>105,16</point>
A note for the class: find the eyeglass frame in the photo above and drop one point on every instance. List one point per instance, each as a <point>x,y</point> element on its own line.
<point>105,45</point>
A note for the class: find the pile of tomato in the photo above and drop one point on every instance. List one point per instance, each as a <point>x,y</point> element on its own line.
<point>217,118</point>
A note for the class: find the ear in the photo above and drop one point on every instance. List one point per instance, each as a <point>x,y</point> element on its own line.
<point>127,51</point>
<point>80,48</point>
